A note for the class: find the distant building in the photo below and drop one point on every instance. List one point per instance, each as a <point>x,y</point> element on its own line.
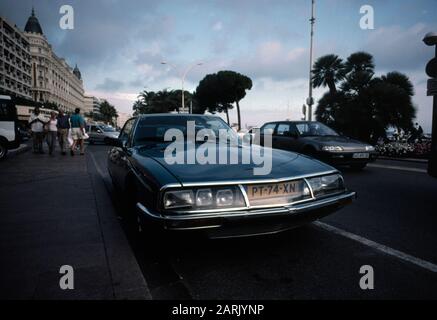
<point>53,80</point>
<point>15,61</point>
<point>91,105</point>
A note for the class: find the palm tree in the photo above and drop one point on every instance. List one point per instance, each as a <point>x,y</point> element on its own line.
<point>360,62</point>
<point>400,80</point>
<point>327,71</point>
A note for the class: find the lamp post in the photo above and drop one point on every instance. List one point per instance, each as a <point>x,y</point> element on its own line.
<point>310,100</point>
<point>431,70</point>
<point>183,77</point>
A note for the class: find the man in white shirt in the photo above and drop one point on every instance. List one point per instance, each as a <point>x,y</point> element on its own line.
<point>37,123</point>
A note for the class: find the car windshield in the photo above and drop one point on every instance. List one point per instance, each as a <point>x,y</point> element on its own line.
<point>108,129</point>
<point>154,128</point>
<point>315,129</point>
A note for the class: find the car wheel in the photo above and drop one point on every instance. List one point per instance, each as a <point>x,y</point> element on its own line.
<point>106,141</point>
<point>140,229</point>
<point>358,166</point>
<point>3,150</point>
<point>90,141</point>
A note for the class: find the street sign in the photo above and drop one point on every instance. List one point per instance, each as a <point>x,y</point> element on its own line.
<point>432,87</point>
<point>431,68</point>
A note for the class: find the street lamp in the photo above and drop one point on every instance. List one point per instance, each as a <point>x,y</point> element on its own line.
<point>310,100</point>
<point>183,76</point>
<point>431,70</point>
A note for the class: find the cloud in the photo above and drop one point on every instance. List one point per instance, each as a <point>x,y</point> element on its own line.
<point>218,26</point>
<point>275,61</point>
<point>109,85</point>
<point>399,48</point>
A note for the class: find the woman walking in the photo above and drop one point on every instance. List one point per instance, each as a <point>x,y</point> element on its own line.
<point>52,126</point>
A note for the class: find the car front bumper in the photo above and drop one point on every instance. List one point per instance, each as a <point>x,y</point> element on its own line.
<point>345,158</point>
<point>249,222</point>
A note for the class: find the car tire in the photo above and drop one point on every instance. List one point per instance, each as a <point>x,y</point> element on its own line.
<point>140,229</point>
<point>3,150</point>
<point>90,141</point>
<point>358,166</point>
<point>106,141</point>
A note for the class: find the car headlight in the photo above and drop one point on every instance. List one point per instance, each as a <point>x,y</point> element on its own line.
<point>203,199</point>
<point>370,148</point>
<point>326,184</point>
<point>332,148</point>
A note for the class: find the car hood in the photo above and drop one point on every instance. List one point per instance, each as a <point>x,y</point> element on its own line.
<point>337,141</point>
<point>284,165</point>
<point>114,134</point>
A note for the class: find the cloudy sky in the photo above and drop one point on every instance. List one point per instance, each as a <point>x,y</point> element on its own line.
<point>119,44</point>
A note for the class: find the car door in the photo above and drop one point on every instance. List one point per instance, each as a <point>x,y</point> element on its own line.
<point>270,127</point>
<point>281,136</point>
<point>118,161</point>
<point>91,130</point>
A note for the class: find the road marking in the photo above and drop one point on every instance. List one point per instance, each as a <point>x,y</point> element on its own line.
<point>99,170</point>
<point>382,248</point>
<point>397,168</point>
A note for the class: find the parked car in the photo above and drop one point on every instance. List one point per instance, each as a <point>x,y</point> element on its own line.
<point>101,133</point>
<point>319,141</point>
<point>9,136</point>
<point>24,134</point>
<point>219,200</point>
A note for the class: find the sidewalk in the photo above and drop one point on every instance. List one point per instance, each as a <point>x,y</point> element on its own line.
<point>56,211</point>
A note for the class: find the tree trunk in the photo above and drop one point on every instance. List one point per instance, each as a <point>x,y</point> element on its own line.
<point>227,115</point>
<point>332,88</point>
<point>239,116</point>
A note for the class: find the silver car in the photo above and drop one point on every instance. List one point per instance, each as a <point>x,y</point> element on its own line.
<point>101,133</point>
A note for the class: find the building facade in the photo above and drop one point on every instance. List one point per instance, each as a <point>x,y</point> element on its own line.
<point>15,61</point>
<point>91,105</point>
<point>53,80</point>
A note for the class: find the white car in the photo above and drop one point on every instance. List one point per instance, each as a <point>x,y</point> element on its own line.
<point>9,137</point>
<point>101,133</point>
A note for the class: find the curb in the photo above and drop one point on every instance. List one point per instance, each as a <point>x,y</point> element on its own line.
<point>416,160</point>
<point>21,149</point>
<point>128,282</point>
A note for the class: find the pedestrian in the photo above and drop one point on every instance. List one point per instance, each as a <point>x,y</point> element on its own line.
<point>419,132</point>
<point>37,123</point>
<point>77,131</point>
<point>63,127</point>
<point>52,132</point>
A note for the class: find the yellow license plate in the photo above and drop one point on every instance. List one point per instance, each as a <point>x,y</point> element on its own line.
<point>289,189</point>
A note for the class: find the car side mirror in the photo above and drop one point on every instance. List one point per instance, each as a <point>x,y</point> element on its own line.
<point>115,142</point>
<point>99,131</point>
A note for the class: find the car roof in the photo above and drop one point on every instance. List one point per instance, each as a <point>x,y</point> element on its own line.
<point>174,115</point>
<point>288,121</point>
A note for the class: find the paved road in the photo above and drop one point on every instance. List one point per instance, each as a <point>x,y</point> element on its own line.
<point>391,227</point>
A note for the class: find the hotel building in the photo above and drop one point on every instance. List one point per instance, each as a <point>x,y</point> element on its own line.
<point>53,80</point>
<point>15,61</point>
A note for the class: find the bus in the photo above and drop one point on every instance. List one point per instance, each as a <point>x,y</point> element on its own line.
<point>9,137</point>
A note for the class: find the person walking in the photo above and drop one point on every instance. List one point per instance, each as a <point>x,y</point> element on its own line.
<point>63,126</point>
<point>37,123</point>
<point>77,131</point>
<point>52,132</point>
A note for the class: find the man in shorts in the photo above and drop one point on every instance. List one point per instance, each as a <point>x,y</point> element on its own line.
<point>77,131</point>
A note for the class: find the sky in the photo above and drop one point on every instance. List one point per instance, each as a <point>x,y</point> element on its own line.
<point>119,45</point>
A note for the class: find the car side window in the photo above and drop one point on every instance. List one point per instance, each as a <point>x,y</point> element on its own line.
<point>282,129</point>
<point>303,128</point>
<point>126,131</point>
<point>268,127</point>
<point>93,129</point>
